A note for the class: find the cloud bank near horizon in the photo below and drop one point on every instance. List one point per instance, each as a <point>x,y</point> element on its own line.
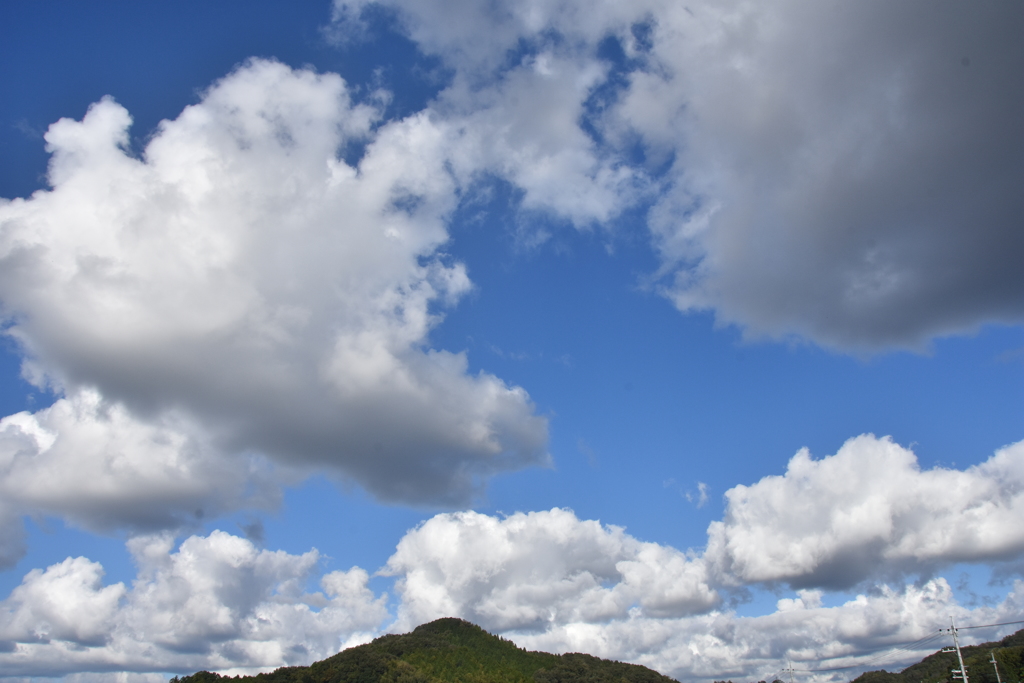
<point>551,581</point>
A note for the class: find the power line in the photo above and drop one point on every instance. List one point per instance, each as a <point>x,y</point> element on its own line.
<point>956,642</point>
<point>907,647</point>
<point>1005,623</point>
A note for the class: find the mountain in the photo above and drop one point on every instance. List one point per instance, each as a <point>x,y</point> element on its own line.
<point>937,668</point>
<point>448,651</point>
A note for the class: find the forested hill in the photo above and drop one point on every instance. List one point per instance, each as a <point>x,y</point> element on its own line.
<point>937,668</point>
<point>449,651</point>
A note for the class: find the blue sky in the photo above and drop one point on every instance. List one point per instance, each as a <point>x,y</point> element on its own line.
<point>521,313</point>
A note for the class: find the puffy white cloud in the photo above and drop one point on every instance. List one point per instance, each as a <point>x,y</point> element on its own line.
<point>549,580</point>
<point>480,39</point>
<point>221,589</point>
<point>525,128</point>
<point>92,462</point>
<point>67,602</point>
<point>800,632</point>
<point>867,515</point>
<point>868,511</point>
<point>240,289</point>
<point>215,603</point>
<point>553,582</point>
<point>537,570</point>
<point>518,96</point>
<point>848,173</point>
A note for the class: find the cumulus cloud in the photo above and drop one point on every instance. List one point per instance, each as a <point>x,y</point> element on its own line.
<point>220,604</point>
<point>538,570</point>
<point>524,128</point>
<point>847,173</point>
<point>518,95</point>
<point>801,632</point>
<point>67,602</point>
<point>868,512</point>
<point>215,603</point>
<point>549,580</point>
<point>92,462</point>
<point>239,288</point>
<point>867,515</point>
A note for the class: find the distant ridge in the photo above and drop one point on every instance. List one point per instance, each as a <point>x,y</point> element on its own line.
<point>448,651</point>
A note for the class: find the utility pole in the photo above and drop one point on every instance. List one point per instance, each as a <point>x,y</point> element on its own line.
<point>789,670</point>
<point>960,673</point>
<point>993,660</point>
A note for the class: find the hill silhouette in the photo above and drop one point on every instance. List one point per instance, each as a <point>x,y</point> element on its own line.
<point>448,651</point>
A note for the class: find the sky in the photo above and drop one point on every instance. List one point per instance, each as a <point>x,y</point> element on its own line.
<point>684,335</point>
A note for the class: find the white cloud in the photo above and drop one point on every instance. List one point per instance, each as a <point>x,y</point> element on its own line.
<point>868,512</point>
<point>848,173</point>
<point>700,499</point>
<point>551,581</point>
<point>525,128</point>
<point>218,603</point>
<point>67,602</point>
<point>722,645</point>
<point>518,97</point>
<point>538,570</point>
<point>477,39</point>
<point>215,603</point>
<point>91,462</point>
<point>240,289</point>
<point>867,515</point>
